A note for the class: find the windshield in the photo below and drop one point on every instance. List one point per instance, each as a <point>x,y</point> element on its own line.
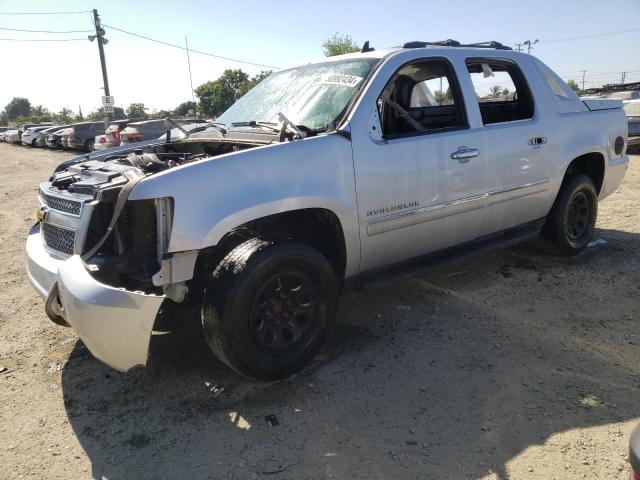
<point>313,95</point>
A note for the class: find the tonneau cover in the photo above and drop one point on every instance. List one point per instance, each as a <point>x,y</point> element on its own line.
<point>602,104</point>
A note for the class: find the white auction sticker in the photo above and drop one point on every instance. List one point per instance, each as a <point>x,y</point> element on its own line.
<point>342,79</point>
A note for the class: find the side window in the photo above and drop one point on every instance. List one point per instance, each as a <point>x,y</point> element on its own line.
<point>501,90</point>
<point>421,97</point>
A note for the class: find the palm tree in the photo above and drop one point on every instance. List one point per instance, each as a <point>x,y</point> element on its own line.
<point>64,115</point>
<point>38,110</point>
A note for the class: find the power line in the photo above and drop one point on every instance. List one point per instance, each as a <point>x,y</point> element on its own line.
<point>42,13</point>
<point>45,31</point>
<point>191,49</point>
<point>594,35</point>
<point>42,39</point>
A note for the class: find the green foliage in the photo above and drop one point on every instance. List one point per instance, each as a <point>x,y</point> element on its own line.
<point>574,86</point>
<point>17,107</point>
<point>339,44</point>
<point>118,113</point>
<point>218,95</point>
<point>64,116</point>
<point>136,110</point>
<point>184,107</point>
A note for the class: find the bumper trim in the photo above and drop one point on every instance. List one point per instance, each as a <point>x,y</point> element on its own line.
<point>115,324</point>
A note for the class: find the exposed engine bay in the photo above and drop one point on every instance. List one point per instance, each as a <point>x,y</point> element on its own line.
<point>122,241</point>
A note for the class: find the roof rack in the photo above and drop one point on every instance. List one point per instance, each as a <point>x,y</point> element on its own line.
<point>453,43</point>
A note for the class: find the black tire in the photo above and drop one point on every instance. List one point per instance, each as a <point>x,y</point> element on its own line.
<point>260,291</point>
<point>88,145</point>
<point>572,219</point>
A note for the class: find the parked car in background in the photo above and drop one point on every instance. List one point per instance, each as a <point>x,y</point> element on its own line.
<point>149,129</point>
<point>145,130</point>
<point>632,110</point>
<point>13,136</point>
<point>82,135</point>
<point>54,140</point>
<point>64,138</point>
<point>42,134</point>
<point>30,135</point>
<point>111,137</point>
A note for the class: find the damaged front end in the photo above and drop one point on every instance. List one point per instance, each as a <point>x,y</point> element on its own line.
<point>101,260</point>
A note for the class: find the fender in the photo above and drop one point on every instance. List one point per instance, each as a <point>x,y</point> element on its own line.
<point>215,195</point>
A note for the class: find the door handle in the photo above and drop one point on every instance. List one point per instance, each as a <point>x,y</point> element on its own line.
<point>537,141</point>
<point>465,154</point>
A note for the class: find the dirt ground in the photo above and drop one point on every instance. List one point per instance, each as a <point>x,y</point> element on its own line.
<point>514,365</point>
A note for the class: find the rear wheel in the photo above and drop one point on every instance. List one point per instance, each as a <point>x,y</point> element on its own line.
<point>572,220</point>
<point>88,146</point>
<point>268,307</point>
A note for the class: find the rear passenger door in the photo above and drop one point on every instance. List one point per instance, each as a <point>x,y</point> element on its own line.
<point>518,143</point>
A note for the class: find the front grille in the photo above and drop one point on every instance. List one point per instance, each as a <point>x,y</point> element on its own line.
<point>58,238</point>
<point>61,204</point>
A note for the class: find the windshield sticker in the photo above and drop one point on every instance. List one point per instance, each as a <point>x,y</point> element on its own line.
<point>342,79</point>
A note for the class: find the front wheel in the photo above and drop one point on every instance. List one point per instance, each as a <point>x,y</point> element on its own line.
<point>268,307</point>
<point>572,219</point>
<point>88,146</point>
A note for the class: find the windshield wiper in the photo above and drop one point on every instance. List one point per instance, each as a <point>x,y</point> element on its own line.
<point>254,124</point>
<point>218,126</point>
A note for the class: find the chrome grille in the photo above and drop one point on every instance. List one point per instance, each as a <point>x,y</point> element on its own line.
<point>58,238</point>
<point>61,204</point>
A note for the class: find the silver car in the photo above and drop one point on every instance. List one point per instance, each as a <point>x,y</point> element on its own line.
<point>30,135</point>
<point>632,110</point>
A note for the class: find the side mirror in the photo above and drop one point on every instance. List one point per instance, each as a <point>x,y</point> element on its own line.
<point>374,127</point>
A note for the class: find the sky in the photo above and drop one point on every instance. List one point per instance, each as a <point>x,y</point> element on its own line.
<point>283,34</point>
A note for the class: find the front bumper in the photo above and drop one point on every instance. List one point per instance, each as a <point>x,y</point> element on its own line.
<point>115,324</point>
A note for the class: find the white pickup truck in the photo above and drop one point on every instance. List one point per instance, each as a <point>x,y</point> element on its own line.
<point>337,173</point>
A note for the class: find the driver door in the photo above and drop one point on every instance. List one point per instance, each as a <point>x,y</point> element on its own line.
<point>420,181</point>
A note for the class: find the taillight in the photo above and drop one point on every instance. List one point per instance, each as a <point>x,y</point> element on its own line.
<point>103,140</point>
<point>135,136</point>
<point>116,136</point>
<point>634,475</point>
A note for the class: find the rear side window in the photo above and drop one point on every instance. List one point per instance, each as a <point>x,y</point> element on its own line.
<point>421,97</point>
<point>501,89</point>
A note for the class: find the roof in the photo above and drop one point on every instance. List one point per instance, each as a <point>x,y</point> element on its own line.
<point>428,49</point>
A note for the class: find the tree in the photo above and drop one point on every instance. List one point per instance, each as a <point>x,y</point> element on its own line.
<point>17,107</point>
<point>505,92</point>
<point>574,86</point>
<point>338,45</point>
<point>136,110</point>
<point>39,110</point>
<point>216,96</point>
<point>255,80</point>
<point>64,116</point>
<point>118,113</point>
<point>494,91</point>
<point>184,107</point>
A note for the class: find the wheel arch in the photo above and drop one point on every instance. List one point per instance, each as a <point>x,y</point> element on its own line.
<point>591,164</point>
<point>320,228</point>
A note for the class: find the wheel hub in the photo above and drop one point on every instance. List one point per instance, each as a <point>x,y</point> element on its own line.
<point>282,313</point>
<point>578,216</point>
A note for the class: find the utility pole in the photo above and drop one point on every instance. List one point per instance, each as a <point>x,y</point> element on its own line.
<point>529,44</point>
<point>519,47</point>
<point>101,42</point>
<point>624,74</point>
<point>583,73</point>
